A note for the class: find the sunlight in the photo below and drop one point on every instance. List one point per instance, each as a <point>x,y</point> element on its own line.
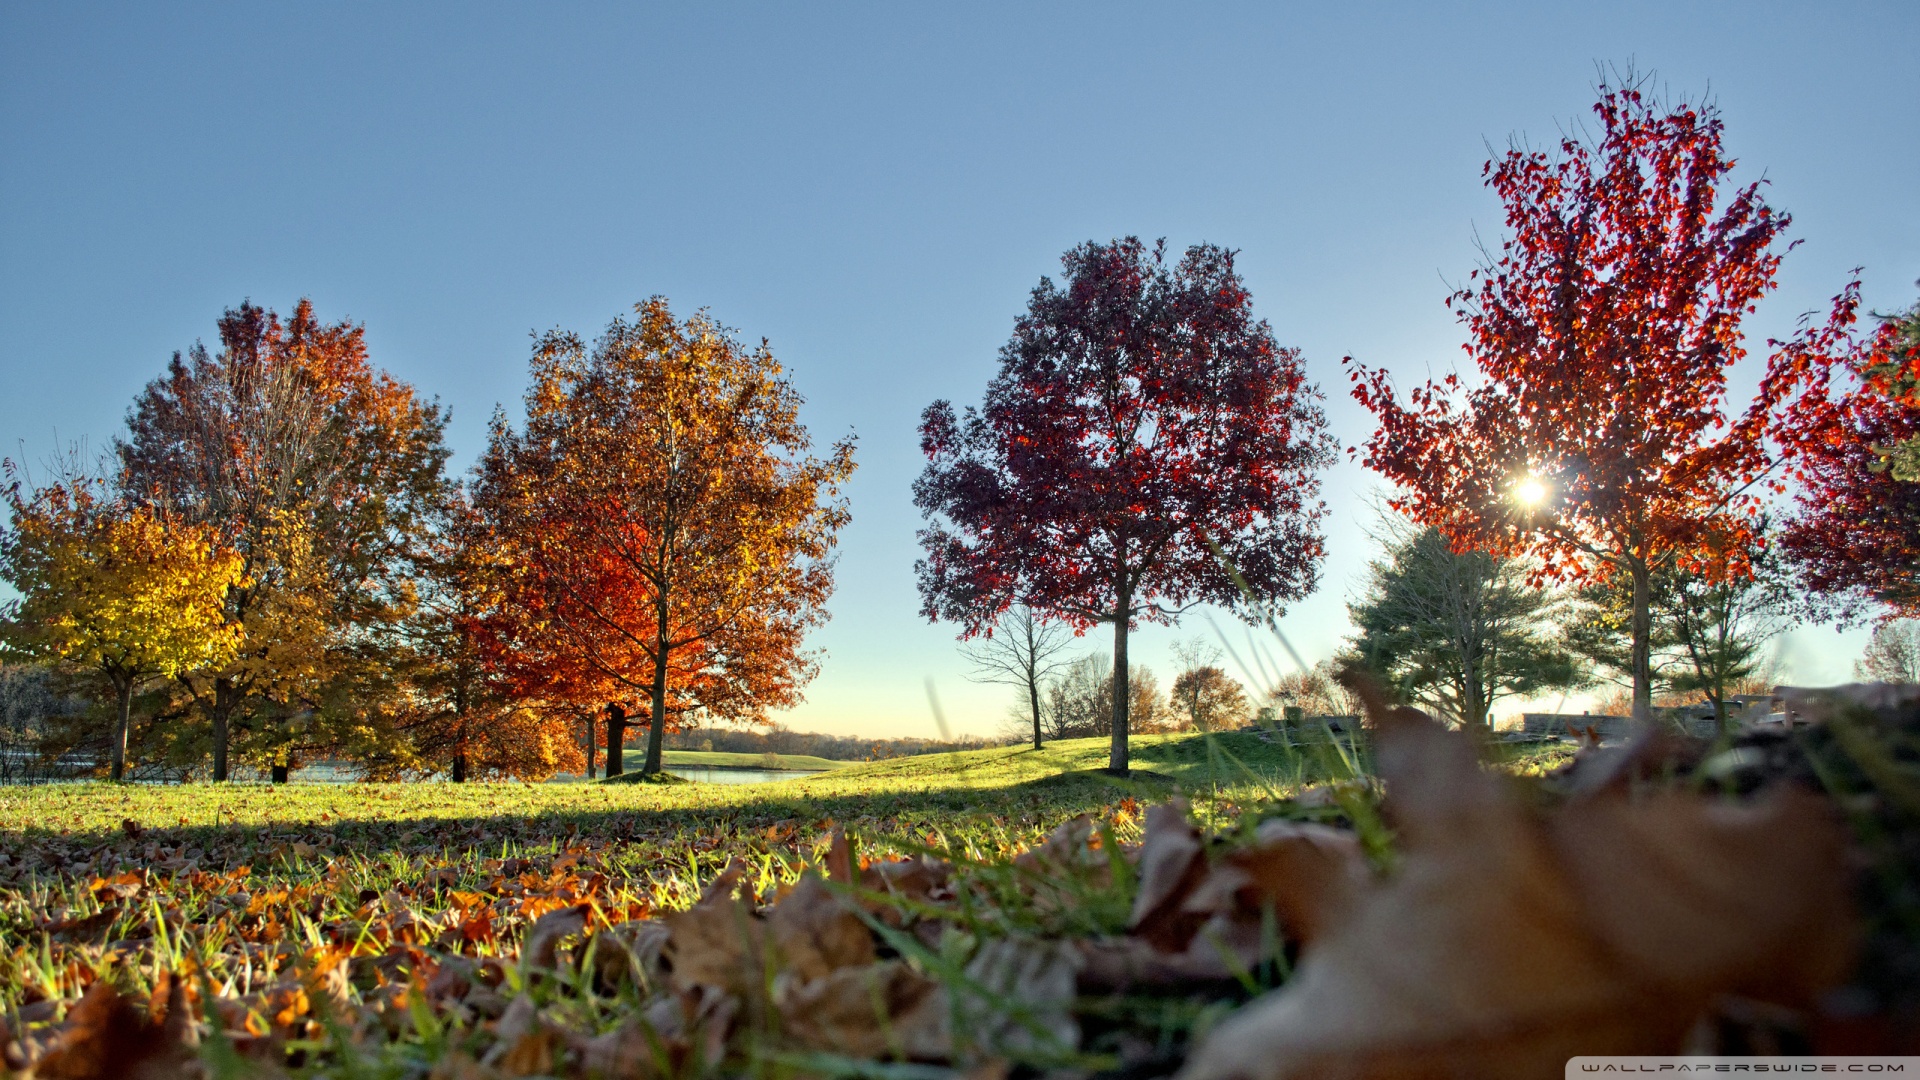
<point>1530,491</point>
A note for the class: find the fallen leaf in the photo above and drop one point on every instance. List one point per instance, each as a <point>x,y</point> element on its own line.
<point>543,941</point>
<point>882,1010</point>
<point>1018,1000</point>
<point>633,1051</point>
<point>107,1038</point>
<point>1506,943</point>
<point>630,953</point>
<point>720,942</point>
<point>1308,874</point>
<point>840,858</point>
<point>1171,864</point>
<point>817,933</point>
<point>918,880</point>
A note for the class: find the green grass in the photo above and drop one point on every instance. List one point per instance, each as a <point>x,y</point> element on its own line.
<point>1044,785</point>
<point>250,884</point>
<point>723,760</point>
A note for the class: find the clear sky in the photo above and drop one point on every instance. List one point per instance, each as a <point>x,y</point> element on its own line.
<point>874,189</point>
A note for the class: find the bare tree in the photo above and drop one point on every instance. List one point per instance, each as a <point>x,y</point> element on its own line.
<point>1076,696</point>
<point>1021,650</point>
<point>1315,692</point>
<point>1893,653</point>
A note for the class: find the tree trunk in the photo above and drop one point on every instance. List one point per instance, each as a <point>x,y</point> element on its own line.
<point>460,729</point>
<point>657,722</point>
<point>616,741</point>
<point>1033,700</point>
<point>1642,649</point>
<point>222,726</point>
<point>280,772</point>
<point>1117,756</point>
<point>117,747</point>
<point>593,744</point>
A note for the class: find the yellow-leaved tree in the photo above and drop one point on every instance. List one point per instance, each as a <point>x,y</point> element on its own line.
<point>121,590</point>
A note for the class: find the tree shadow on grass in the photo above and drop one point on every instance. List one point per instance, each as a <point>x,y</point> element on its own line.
<point>786,817</point>
<point>759,822</point>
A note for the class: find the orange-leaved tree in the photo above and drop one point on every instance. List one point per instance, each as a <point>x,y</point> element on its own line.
<point>121,590</point>
<point>666,518</point>
<point>463,713</point>
<point>1596,439</point>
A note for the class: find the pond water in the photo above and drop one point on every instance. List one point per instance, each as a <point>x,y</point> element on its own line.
<point>707,774</point>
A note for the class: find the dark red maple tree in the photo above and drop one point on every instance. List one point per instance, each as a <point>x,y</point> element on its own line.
<point>1142,418</point>
<point>1855,535</point>
<point>1603,330</point>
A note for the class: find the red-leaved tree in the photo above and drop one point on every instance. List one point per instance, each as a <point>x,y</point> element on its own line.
<point>1855,536</point>
<point>1144,426</point>
<point>1596,440</point>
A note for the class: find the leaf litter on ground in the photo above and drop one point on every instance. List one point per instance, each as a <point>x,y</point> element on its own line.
<point>1443,918</point>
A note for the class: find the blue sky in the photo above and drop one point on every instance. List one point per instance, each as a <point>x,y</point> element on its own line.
<point>872,188</point>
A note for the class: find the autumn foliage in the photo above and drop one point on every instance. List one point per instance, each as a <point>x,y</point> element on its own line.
<point>665,533</point>
<point>122,591</point>
<point>1855,537</point>
<point>324,474</point>
<point>1603,330</point>
<point>1144,431</point>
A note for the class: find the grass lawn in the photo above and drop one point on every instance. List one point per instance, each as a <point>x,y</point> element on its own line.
<point>721,759</point>
<point>264,888</point>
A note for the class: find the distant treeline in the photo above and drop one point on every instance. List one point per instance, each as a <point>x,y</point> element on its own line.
<point>779,740</point>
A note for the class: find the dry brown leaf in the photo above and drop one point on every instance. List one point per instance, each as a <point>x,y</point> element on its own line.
<point>1308,874</point>
<point>532,1054</point>
<point>1067,855</point>
<point>1305,874</point>
<point>840,858</point>
<point>919,879</point>
<point>879,1010</point>
<point>816,933</point>
<point>108,1038</point>
<point>525,1044</point>
<point>520,1018</point>
<point>719,942</point>
<point>1506,944</point>
<point>460,1065</point>
<point>1066,845</point>
<point>543,941</point>
<point>1172,863</point>
<point>1751,898</point>
<point>725,885</point>
<point>1651,756</point>
<point>1019,1000</point>
<point>627,954</point>
<point>1112,965</point>
<point>633,1051</point>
